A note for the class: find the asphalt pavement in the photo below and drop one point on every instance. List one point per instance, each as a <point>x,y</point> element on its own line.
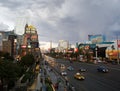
<point>57,83</point>
<point>56,80</point>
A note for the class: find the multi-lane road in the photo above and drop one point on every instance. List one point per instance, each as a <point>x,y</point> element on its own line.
<point>94,80</point>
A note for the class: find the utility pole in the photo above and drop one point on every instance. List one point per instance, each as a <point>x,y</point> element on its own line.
<point>96,52</point>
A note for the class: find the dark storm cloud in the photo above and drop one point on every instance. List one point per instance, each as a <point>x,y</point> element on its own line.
<point>14,4</point>
<point>71,20</point>
<point>11,4</point>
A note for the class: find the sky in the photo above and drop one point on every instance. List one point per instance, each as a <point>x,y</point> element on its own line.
<point>55,20</point>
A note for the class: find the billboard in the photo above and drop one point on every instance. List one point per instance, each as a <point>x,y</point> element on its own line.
<point>96,38</point>
<point>0,39</point>
<point>118,43</point>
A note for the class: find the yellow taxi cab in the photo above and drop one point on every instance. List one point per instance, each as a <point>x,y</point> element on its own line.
<point>79,76</point>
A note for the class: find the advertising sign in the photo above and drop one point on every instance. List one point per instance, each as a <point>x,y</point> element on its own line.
<point>118,43</point>
<point>23,46</point>
<point>0,39</point>
<point>96,38</point>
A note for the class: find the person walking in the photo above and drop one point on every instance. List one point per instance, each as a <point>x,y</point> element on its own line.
<point>65,89</point>
<point>57,86</point>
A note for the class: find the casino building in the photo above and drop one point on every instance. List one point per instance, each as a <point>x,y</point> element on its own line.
<point>30,40</point>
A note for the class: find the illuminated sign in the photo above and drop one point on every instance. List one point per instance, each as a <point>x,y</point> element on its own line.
<point>23,46</point>
<point>96,38</point>
<point>76,49</point>
<point>29,46</point>
<point>118,43</point>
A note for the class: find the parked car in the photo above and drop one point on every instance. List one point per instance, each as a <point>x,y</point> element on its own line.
<point>70,68</point>
<point>82,69</point>
<point>102,69</point>
<point>79,76</point>
<point>63,73</point>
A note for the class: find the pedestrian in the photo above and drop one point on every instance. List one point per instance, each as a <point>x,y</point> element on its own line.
<point>41,80</point>
<point>56,86</point>
<point>66,82</point>
<point>73,88</point>
<point>65,89</point>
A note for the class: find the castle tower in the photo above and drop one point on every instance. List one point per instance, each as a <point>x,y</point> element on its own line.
<point>30,38</point>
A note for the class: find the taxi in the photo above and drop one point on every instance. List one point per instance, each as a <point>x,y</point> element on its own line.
<point>79,76</point>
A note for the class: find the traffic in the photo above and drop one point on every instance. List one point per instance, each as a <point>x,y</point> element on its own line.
<point>87,77</point>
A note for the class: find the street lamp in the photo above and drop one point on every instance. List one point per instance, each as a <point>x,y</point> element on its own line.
<point>96,54</point>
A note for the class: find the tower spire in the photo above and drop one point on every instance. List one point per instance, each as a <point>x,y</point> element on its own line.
<point>26,26</point>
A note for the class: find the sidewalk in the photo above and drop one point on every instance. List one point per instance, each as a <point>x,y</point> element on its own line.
<point>37,85</point>
<point>55,78</point>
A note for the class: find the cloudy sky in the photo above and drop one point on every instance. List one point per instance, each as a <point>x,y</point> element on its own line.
<point>56,20</point>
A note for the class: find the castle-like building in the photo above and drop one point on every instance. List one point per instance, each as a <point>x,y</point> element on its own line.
<point>30,39</point>
<point>19,45</point>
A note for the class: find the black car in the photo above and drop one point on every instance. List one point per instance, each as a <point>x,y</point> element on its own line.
<point>102,69</point>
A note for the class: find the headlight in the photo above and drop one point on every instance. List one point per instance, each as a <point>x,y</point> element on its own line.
<point>104,70</point>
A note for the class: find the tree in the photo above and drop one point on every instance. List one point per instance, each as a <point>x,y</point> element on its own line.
<point>8,57</point>
<point>8,72</point>
<point>28,60</point>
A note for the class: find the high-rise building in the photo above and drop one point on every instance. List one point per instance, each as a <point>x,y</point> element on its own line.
<point>4,37</point>
<point>63,45</point>
<point>30,39</point>
<point>7,46</point>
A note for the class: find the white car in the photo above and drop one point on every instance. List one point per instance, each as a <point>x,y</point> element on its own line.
<point>62,66</point>
<point>63,73</point>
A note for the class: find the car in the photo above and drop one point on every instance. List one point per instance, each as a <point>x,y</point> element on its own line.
<point>79,76</point>
<point>102,69</point>
<point>70,68</point>
<point>62,66</point>
<point>82,69</point>
<point>63,73</point>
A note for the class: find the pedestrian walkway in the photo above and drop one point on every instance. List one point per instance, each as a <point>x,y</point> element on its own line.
<point>37,85</point>
<point>33,86</point>
<point>56,80</point>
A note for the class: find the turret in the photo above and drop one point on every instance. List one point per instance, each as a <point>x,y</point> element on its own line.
<point>26,28</point>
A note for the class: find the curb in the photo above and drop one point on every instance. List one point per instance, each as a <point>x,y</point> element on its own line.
<point>53,87</point>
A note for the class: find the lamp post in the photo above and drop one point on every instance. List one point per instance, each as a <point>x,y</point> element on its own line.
<point>96,49</point>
